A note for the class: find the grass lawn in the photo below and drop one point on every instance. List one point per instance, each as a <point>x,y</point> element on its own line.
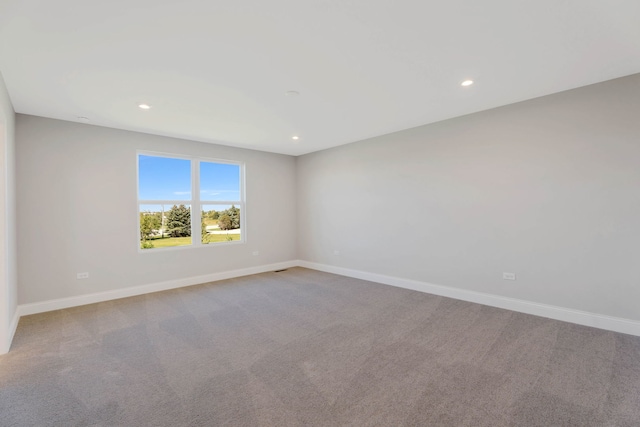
<point>185,241</point>
<point>215,238</point>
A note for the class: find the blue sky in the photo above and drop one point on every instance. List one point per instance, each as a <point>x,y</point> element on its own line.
<point>162,178</point>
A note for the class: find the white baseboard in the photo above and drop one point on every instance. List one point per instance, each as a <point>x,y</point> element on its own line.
<point>5,346</point>
<point>600,321</point>
<point>57,304</point>
<point>616,324</point>
<point>14,325</point>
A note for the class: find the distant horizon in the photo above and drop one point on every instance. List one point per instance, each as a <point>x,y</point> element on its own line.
<point>159,208</point>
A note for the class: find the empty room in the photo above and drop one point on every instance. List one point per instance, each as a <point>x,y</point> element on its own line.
<point>320,213</point>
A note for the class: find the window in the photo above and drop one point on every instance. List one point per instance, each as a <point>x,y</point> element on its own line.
<point>186,201</point>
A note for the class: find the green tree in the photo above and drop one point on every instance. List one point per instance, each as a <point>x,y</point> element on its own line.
<point>234,214</point>
<point>229,219</point>
<point>206,237</point>
<point>224,221</point>
<point>149,221</point>
<point>179,221</point>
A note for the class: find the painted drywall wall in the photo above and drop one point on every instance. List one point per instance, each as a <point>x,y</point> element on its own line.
<point>78,213</point>
<point>548,189</point>
<point>8,251</point>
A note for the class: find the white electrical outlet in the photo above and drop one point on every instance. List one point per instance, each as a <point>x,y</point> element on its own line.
<point>84,275</point>
<point>509,276</point>
<point>256,253</point>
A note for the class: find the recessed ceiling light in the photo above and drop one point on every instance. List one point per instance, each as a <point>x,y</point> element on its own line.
<point>144,106</point>
<point>292,93</point>
<point>295,137</point>
<point>466,83</point>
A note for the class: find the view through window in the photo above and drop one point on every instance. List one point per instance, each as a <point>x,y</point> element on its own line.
<point>188,201</point>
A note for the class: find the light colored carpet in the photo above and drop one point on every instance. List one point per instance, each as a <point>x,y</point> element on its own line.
<point>305,348</point>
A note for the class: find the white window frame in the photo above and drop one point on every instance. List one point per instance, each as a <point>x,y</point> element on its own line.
<point>195,203</point>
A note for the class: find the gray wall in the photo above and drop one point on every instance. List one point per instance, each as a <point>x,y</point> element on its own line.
<point>8,252</point>
<point>77,211</point>
<point>548,189</point>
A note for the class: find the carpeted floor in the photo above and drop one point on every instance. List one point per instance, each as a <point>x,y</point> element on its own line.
<point>305,348</point>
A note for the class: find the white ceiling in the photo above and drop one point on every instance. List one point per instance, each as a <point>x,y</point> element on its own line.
<point>217,71</point>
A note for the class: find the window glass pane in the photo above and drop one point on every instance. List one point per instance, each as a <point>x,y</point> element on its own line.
<point>220,223</point>
<point>219,181</point>
<point>162,178</point>
<point>164,226</point>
